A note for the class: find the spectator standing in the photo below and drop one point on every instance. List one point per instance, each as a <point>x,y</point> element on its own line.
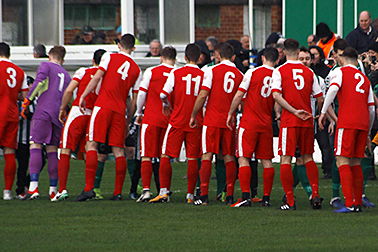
<point>88,36</point>
<point>318,65</point>
<point>326,38</point>
<point>363,35</point>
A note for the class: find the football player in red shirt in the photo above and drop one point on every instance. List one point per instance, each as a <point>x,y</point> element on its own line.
<point>76,125</point>
<point>293,85</point>
<point>255,133</point>
<point>12,83</point>
<point>153,123</point>
<point>219,87</point>
<point>355,120</point>
<point>119,73</point>
<point>181,88</point>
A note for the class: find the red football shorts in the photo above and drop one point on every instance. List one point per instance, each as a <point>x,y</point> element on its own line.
<point>250,141</point>
<point>174,138</point>
<point>107,126</point>
<point>213,138</point>
<point>350,143</point>
<point>75,130</point>
<point>296,137</point>
<point>8,134</point>
<point>151,140</point>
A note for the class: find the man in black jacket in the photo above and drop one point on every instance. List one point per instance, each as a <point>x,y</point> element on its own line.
<point>361,37</point>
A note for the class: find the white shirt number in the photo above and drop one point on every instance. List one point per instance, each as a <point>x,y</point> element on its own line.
<point>265,89</point>
<point>123,70</point>
<point>61,83</point>
<point>361,81</point>
<point>189,80</point>
<point>298,79</point>
<point>12,75</point>
<point>228,83</point>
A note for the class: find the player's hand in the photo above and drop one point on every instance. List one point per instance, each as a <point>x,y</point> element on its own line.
<point>192,122</point>
<point>24,107</point>
<point>302,114</point>
<point>368,145</point>
<point>82,105</point>
<point>138,120</point>
<point>230,122</point>
<point>167,109</point>
<point>322,121</point>
<point>62,115</point>
<point>331,128</point>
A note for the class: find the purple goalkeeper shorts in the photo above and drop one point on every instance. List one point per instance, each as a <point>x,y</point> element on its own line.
<point>44,132</point>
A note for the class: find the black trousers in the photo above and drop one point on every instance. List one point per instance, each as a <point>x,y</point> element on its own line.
<point>326,148</point>
<point>22,156</point>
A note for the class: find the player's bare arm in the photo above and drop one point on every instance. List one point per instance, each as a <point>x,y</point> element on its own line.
<point>234,105</point>
<point>91,86</point>
<point>300,113</point>
<point>200,101</point>
<point>67,96</point>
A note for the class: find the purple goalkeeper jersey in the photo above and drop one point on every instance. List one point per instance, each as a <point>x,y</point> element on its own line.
<point>49,85</point>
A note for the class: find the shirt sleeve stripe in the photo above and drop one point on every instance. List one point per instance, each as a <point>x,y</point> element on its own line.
<point>102,69</point>
<point>242,90</point>
<point>335,84</point>
<point>142,89</point>
<point>164,92</point>
<point>318,95</point>
<point>371,104</point>
<point>76,79</point>
<point>276,90</point>
<point>205,88</point>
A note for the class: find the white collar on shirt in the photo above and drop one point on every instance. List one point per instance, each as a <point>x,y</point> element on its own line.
<point>167,65</point>
<point>191,65</point>
<point>227,62</point>
<point>269,67</point>
<point>124,53</point>
<point>293,61</point>
<point>350,65</point>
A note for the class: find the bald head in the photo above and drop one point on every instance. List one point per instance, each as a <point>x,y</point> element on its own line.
<point>364,20</point>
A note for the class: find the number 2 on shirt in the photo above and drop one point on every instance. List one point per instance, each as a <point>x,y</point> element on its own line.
<point>361,81</point>
<point>189,80</point>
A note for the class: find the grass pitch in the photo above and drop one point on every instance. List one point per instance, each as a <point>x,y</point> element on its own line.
<point>129,226</point>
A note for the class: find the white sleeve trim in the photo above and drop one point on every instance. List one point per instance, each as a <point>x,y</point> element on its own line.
<point>247,79</point>
<point>208,78</point>
<point>276,80</point>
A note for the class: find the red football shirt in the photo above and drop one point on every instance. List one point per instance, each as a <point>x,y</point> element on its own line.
<point>152,83</point>
<point>258,102</point>
<point>121,74</point>
<point>297,83</point>
<point>183,86</point>
<point>83,76</point>
<point>12,82</point>
<point>355,95</point>
<point>222,81</point>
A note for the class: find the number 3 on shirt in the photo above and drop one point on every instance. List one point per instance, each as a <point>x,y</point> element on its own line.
<point>122,70</point>
<point>298,79</point>
<point>189,80</point>
<point>12,75</point>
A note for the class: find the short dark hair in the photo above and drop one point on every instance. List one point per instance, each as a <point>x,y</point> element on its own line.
<point>192,52</point>
<point>40,50</point>
<point>97,56</point>
<point>350,53</point>
<point>127,41</point>
<point>58,52</point>
<point>340,44</point>
<point>169,52</point>
<point>304,49</point>
<point>4,50</point>
<point>225,50</point>
<point>271,54</point>
<point>291,45</point>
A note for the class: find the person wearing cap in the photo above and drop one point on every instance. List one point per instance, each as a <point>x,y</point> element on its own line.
<point>363,35</point>
<point>326,38</point>
<point>87,36</point>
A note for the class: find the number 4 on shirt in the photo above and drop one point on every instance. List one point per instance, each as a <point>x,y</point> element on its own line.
<point>123,70</point>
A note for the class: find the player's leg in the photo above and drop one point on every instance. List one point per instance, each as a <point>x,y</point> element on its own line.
<point>335,201</point>
<point>9,172</point>
<point>253,163</point>
<point>302,176</point>
<point>227,139</point>
<point>35,164</point>
<point>147,139</point>
<point>63,170</point>
<point>220,173</point>
<point>102,157</point>
<point>286,148</point>
<point>52,169</point>
<point>358,182</point>
<point>244,180</point>
<point>22,156</point>
<point>268,178</point>
<point>120,174</point>
<point>346,178</point>
<point>193,153</point>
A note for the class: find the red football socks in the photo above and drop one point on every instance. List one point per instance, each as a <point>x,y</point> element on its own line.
<point>121,168</point>
<point>205,173</point>
<point>9,170</point>
<point>287,181</point>
<point>192,174</point>
<point>146,172</point>
<point>63,170</point>
<point>346,178</point>
<point>165,173</point>
<point>358,184</point>
<point>313,177</point>
<point>230,177</point>
<point>245,178</point>
<point>90,170</point>
<point>268,177</point>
